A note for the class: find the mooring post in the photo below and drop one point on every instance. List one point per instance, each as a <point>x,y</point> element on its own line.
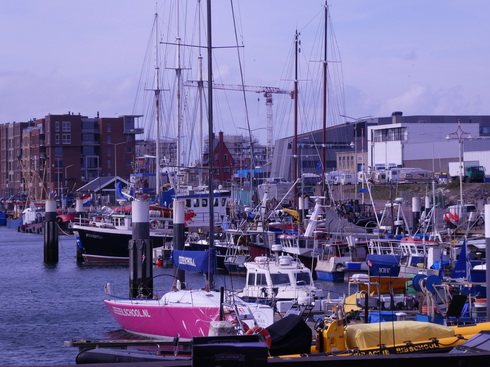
<point>179,240</point>
<point>301,208</point>
<point>427,208</point>
<point>79,218</point>
<point>51,255</point>
<point>487,251</point>
<point>140,252</point>
<point>415,213</point>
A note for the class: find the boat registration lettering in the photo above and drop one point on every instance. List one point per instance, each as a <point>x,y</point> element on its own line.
<point>417,347</point>
<point>132,312</point>
<point>409,348</point>
<point>183,260</point>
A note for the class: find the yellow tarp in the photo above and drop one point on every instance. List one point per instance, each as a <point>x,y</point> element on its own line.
<point>293,213</point>
<point>365,336</point>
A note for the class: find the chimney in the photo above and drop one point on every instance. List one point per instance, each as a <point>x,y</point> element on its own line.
<point>397,117</point>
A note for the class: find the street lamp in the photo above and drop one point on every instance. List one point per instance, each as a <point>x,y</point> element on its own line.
<point>354,146</point>
<point>66,175</point>
<point>115,156</point>
<point>433,143</point>
<point>461,135</point>
<point>56,165</point>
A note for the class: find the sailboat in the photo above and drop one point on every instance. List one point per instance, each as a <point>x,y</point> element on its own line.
<point>187,313</point>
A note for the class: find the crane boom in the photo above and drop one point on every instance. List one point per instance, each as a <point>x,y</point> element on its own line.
<point>239,88</point>
<point>267,91</point>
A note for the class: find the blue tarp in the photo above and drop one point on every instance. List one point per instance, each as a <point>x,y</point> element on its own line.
<point>195,261</point>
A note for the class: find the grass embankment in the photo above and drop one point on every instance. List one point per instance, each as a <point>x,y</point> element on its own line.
<point>472,192</point>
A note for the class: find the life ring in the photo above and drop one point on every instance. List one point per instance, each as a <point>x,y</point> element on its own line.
<point>154,224</point>
<point>262,331</point>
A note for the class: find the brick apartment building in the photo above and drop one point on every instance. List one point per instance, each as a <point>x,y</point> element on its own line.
<point>59,153</point>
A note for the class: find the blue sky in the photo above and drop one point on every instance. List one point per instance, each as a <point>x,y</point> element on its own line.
<point>418,56</point>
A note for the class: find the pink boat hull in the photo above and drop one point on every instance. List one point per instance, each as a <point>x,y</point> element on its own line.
<point>155,320</point>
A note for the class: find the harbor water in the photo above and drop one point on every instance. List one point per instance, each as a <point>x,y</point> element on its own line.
<point>43,306</point>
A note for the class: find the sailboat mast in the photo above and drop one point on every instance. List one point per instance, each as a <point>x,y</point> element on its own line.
<point>324,133</point>
<point>157,111</point>
<point>200,84</point>
<point>295,140</point>
<point>210,284</point>
<point>178,72</point>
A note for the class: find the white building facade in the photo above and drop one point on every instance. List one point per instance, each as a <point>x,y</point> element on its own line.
<point>423,144</point>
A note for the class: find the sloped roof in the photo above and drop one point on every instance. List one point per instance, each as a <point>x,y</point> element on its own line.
<point>100,183</point>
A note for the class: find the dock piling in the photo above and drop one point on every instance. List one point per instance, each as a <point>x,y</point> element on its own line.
<point>140,252</point>
<point>51,252</point>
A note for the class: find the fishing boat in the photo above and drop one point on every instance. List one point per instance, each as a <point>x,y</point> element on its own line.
<point>337,258</point>
<point>104,238</point>
<point>283,282</point>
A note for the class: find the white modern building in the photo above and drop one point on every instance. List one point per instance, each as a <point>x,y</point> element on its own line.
<point>428,142</point>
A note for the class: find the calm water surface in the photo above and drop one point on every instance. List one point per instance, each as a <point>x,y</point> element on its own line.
<point>43,306</point>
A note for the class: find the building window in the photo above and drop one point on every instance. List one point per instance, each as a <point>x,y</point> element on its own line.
<point>109,128</point>
<point>393,134</point>
<point>58,151</point>
<point>66,138</point>
<point>56,126</point>
<point>56,139</point>
<point>485,130</point>
<point>109,164</point>
<point>109,151</point>
<point>66,126</point>
<point>109,139</point>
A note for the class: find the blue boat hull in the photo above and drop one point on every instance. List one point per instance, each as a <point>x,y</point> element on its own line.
<point>337,277</point>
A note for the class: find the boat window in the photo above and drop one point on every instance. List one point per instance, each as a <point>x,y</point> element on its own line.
<point>204,203</point>
<point>302,278</point>
<point>278,279</point>
<point>223,201</point>
<point>261,279</point>
<point>196,203</point>
<point>188,203</point>
<point>251,279</point>
<point>216,202</point>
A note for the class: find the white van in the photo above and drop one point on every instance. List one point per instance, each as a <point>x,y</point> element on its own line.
<point>415,176</point>
<point>333,177</point>
<point>347,178</point>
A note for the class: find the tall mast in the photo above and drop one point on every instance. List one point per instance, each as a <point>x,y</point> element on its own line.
<point>210,284</point>
<point>157,111</point>
<point>295,141</point>
<point>178,72</point>
<point>324,133</point>
<point>201,95</point>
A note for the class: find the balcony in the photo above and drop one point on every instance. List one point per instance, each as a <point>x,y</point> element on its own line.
<point>134,131</point>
